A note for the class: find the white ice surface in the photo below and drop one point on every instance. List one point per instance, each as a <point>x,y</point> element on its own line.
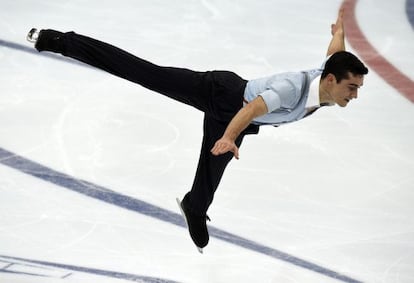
<point>335,189</point>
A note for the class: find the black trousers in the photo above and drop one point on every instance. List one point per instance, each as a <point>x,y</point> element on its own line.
<point>219,94</point>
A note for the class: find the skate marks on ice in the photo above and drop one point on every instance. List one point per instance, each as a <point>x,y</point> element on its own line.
<point>89,189</point>
<point>52,270</point>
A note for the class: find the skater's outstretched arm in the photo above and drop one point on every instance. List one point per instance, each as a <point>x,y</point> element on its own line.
<point>338,35</point>
<point>240,121</point>
<point>257,107</point>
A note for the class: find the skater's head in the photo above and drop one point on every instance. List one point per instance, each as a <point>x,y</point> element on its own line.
<point>341,63</point>
<point>341,78</point>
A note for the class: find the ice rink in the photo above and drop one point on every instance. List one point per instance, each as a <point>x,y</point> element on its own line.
<point>90,164</point>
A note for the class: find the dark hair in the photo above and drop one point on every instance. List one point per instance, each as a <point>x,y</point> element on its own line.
<point>341,63</point>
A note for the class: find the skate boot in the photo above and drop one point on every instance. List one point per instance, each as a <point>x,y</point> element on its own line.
<point>196,224</point>
<point>45,39</point>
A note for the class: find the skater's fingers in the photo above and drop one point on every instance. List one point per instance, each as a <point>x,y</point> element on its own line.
<point>236,152</point>
<point>216,148</point>
<point>339,22</point>
<point>223,146</point>
<point>220,148</point>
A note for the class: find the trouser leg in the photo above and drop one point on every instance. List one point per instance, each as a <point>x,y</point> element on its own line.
<point>219,94</point>
<point>187,86</point>
<point>210,167</point>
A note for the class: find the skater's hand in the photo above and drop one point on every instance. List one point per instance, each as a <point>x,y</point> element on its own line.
<point>338,35</point>
<point>255,108</point>
<point>339,25</point>
<point>225,145</point>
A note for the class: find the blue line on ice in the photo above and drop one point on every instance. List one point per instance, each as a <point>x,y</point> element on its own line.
<point>37,170</point>
<point>22,262</point>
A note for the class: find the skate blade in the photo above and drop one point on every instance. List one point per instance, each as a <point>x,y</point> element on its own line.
<point>200,250</point>
<point>33,35</point>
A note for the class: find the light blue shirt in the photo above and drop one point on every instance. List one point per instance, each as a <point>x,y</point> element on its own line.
<point>284,94</point>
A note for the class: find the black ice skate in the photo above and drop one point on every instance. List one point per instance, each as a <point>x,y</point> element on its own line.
<point>196,224</point>
<point>45,39</point>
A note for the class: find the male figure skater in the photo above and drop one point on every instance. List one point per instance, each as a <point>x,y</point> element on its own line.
<point>232,106</point>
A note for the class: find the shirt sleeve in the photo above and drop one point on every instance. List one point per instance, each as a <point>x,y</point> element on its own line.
<point>280,94</point>
<point>271,99</point>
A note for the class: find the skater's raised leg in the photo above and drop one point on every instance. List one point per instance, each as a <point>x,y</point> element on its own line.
<point>184,85</point>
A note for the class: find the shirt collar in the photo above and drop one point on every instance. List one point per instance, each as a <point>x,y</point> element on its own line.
<point>313,97</point>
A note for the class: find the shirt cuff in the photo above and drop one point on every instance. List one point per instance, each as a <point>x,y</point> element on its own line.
<point>271,99</point>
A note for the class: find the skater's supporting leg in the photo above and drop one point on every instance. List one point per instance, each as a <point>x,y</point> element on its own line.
<point>209,172</point>
<point>210,167</point>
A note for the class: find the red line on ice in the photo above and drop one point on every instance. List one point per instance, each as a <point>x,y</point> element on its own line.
<point>372,57</point>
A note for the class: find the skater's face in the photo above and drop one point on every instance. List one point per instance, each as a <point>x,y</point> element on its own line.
<point>347,89</point>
